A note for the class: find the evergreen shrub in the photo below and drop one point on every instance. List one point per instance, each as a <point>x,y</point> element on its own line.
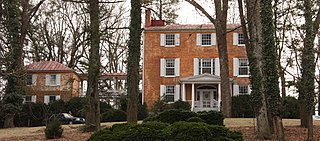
<point>211,117</point>
<point>113,115</point>
<point>53,129</point>
<point>242,107</point>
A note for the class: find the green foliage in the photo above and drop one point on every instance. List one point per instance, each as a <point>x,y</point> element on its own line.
<point>57,106</point>
<point>212,117</point>
<point>53,129</point>
<point>123,104</point>
<point>290,108</point>
<point>12,102</point>
<point>76,106</point>
<point>104,107</point>
<point>162,105</point>
<point>157,131</point>
<point>195,119</point>
<point>182,105</point>
<point>174,115</point>
<point>142,111</point>
<point>113,115</point>
<point>242,107</point>
<point>32,114</point>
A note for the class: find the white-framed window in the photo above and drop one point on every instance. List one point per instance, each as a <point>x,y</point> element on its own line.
<point>29,98</point>
<point>238,39</point>
<point>170,93</point>
<point>241,90</point>
<point>51,98</point>
<point>206,65</point>
<point>241,67</point>
<point>169,40</point>
<point>206,39</point>
<point>169,67</point>
<point>31,79</point>
<point>53,79</point>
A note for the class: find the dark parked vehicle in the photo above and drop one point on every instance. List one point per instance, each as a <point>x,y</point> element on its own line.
<point>66,118</point>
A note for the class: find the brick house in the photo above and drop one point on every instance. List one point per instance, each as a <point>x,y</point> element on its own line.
<point>182,62</point>
<point>50,80</point>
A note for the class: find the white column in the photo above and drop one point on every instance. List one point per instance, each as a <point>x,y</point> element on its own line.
<point>219,96</point>
<point>183,92</point>
<point>192,97</point>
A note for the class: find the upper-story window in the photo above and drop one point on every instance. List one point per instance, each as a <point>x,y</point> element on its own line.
<point>238,39</point>
<point>169,67</point>
<point>241,67</point>
<point>206,65</point>
<point>31,79</point>
<point>53,79</point>
<point>169,40</point>
<point>206,39</point>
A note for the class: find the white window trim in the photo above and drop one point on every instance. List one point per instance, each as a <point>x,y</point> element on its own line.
<point>176,92</point>
<point>213,39</point>
<point>236,68</point>
<point>33,99</point>
<point>236,40</point>
<point>46,98</point>
<point>163,67</point>
<point>48,77</point>
<point>33,80</point>
<point>163,40</point>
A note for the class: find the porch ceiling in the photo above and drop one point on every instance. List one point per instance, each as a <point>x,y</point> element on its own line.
<point>201,78</point>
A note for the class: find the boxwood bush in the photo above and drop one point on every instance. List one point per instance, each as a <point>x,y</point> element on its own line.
<point>113,115</point>
<point>211,117</point>
<point>242,107</point>
<point>174,115</point>
<point>157,131</point>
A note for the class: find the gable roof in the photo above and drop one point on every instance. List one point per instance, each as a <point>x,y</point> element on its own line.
<point>202,78</point>
<point>47,66</point>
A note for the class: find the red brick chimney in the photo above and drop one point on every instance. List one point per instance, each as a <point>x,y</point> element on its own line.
<point>148,18</point>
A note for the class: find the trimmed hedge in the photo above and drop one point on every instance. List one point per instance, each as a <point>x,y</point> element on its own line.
<point>175,115</point>
<point>290,108</point>
<point>242,107</point>
<point>157,131</point>
<point>113,115</point>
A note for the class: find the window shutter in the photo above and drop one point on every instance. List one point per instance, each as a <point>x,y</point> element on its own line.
<point>216,66</point>
<point>34,79</point>
<point>46,99</point>
<point>213,39</point>
<point>177,39</point>
<point>177,67</point>
<point>235,90</point>
<point>24,100</point>
<point>198,39</point>
<point>162,67</point>
<point>47,80</point>
<point>34,98</point>
<point>235,38</point>
<point>177,93</point>
<point>162,91</point>
<point>249,89</point>
<point>58,80</point>
<point>235,66</point>
<point>58,97</point>
<point>162,39</point>
<point>195,66</point>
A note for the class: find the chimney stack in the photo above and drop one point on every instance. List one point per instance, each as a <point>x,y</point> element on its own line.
<point>148,18</point>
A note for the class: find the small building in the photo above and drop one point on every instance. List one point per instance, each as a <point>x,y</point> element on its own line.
<point>182,62</point>
<point>50,80</point>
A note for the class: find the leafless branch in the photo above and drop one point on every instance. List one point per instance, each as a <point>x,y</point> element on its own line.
<point>87,1</point>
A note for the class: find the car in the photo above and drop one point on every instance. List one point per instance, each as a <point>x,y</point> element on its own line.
<point>66,118</point>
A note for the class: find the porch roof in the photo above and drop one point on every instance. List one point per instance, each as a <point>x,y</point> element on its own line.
<point>201,78</point>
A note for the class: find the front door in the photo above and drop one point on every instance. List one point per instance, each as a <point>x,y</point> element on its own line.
<point>206,97</point>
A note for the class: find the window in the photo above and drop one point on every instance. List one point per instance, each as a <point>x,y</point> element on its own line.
<point>52,79</point>
<point>51,98</point>
<point>241,39</point>
<point>169,40</point>
<point>206,66</point>
<point>243,90</point>
<point>170,67</point>
<point>170,91</point>
<point>243,67</point>
<point>240,67</point>
<point>29,79</point>
<point>206,39</point>
<point>29,98</point>
<point>238,39</point>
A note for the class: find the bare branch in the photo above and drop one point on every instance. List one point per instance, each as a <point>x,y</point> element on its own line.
<point>199,7</point>
<point>87,1</point>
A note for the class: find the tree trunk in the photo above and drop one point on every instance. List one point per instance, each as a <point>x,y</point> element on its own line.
<point>9,120</point>
<point>92,96</point>
<point>133,61</point>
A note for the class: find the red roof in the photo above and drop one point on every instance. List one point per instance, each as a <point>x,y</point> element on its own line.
<point>47,66</point>
<point>180,27</point>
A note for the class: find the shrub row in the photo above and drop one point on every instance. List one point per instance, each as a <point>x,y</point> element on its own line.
<point>175,115</point>
<point>158,131</point>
